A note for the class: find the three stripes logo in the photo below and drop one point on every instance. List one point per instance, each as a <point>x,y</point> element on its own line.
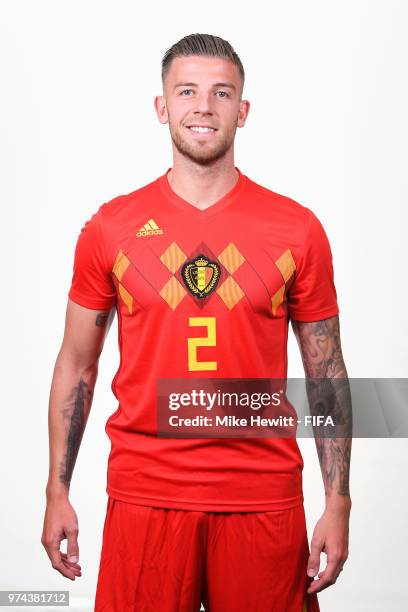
<point>149,229</point>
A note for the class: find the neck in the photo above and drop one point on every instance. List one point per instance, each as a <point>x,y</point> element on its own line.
<point>201,185</point>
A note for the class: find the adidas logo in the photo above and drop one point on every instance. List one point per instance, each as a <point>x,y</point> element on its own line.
<point>149,229</point>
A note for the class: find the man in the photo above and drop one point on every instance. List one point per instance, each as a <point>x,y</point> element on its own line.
<point>204,268</point>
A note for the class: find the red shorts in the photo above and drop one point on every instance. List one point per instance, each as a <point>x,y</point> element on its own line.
<point>165,560</point>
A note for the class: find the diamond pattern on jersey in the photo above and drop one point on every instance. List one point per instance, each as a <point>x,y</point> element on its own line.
<point>173,257</point>
<point>287,267</point>
<point>119,268</point>
<point>230,292</point>
<point>143,274</point>
<point>231,258</point>
<point>173,292</point>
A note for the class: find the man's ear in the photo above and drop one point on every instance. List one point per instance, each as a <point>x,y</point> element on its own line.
<point>244,107</point>
<point>161,109</point>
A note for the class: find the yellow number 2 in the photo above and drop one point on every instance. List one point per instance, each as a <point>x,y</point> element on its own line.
<point>208,340</point>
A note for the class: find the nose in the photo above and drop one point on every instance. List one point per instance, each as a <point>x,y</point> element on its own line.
<point>204,103</point>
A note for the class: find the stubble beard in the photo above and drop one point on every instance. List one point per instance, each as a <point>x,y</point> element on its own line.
<point>201,154</point>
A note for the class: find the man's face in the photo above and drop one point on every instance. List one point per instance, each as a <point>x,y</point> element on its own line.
<point>202,104</point>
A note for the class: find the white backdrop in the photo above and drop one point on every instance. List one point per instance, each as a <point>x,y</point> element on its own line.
<point>328,127</point>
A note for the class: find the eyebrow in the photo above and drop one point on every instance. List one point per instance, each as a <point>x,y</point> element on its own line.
<point>229,85</point>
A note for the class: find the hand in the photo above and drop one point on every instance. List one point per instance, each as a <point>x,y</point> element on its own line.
<point>61,522</point>
<point>331,537</point>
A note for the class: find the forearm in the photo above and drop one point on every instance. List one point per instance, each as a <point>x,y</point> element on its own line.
<point>329,394</point>
<point>331,397</point>
<point>69,406</point>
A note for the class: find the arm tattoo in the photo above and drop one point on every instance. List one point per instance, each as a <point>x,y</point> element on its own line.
<point>76,415</point>
<point>329,394</point>
<point>101,319</point>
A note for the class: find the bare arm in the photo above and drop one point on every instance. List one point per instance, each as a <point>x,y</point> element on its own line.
<point>71,394</point>
<point>329,394</point>
<point>72,388</point>
<point>328,391</point>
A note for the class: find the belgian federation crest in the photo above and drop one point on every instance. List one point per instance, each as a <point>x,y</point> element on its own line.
<point>201,275</point>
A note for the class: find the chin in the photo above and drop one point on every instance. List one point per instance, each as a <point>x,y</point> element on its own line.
<point>204,159</point>
<point>199,155</point>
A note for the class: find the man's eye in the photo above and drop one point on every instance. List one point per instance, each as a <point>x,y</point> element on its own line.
<point>184,91</point>
<point>225,94</point>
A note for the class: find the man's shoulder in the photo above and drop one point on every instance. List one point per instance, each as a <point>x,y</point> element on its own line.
<point>278,205</point>
<point>124,202</point>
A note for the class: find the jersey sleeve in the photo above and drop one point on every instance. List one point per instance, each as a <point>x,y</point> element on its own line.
<point>312,296</point>
<point>92,285</point>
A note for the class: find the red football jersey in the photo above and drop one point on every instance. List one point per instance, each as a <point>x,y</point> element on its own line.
<point>274,263</point>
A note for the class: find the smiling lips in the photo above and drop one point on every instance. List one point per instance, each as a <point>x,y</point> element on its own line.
<point>201,129</point>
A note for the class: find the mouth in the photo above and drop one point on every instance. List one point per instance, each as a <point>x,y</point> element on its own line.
<point>201,129</point>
